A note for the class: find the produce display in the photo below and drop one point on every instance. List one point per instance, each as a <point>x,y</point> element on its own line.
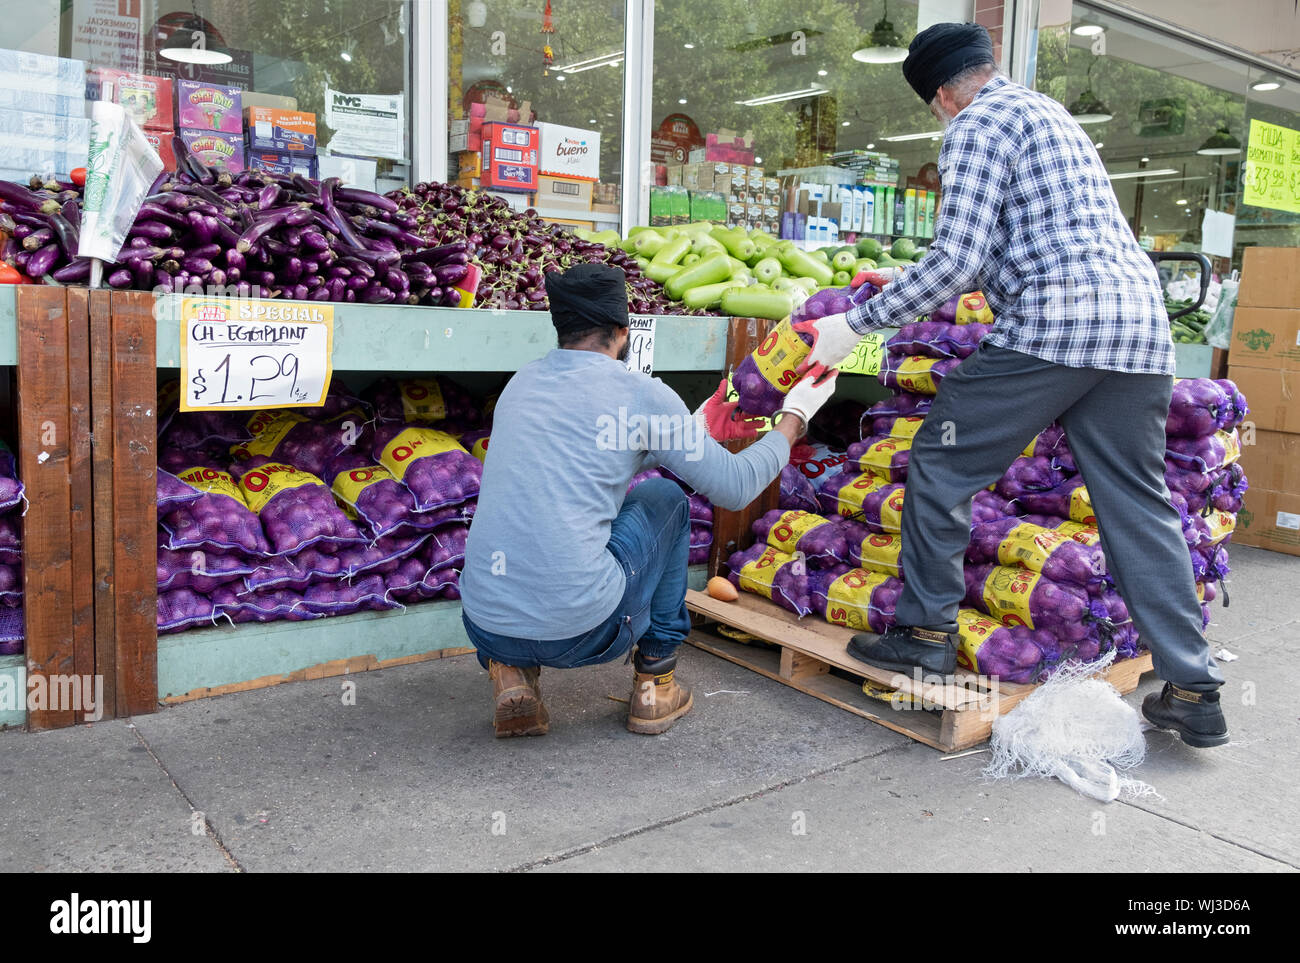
<point>1190,328</point>
<point>1038,591</point>
<point>12,503</point>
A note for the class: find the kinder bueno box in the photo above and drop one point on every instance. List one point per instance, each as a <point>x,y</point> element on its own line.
<point>201,106</point>
<point>213,148</point>
<point>570,152</point>
<point>280,131</point>
<point>161,142</point>
<point>283,165</point>
<point>149,101</point>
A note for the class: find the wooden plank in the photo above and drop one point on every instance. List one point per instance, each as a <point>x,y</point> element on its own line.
<point>917,724</point>
<point>135,522</point>
<point>81,505</point>
<point>731,530</point>
<point>43,452</point>
<point>796,665</point>
<point>828,643</point>
<point>101,470</point>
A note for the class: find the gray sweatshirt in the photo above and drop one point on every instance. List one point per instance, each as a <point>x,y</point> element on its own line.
<point>569,432</point>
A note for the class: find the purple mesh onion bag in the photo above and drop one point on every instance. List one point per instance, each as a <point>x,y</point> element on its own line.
<point>1021,597</point>
<point>854,597</point>
<point>11,489</point>
<point>1205,453</point>
<point>763,570</point>
<point>766,375</point>
<point>701,510</point>
<point>413,580</point>
<point>1237,408</point>
<point>820,539</point>
<point>11,585</point>
<point>1029,474</point>
<point>200,570</point>
<point>378,502</point>
<point>882,455</point>
<point>11,545</point>
<point>899,405</point>
<point>916,374</point>
<point>936,339</point>
<point>432,464</point>
<point>796,491</point>
<point>219,520</point>
<point>446,547</point>
<point>295,507</point>
<point>173,493</point>
<point>1197,407</point>
<point>424,401</point>
<point>182,609</point>
<point>350,595</point>
<point>1012,541</point>
<point>12,631</point>
<point>268,605</point>
<point>700,539</point>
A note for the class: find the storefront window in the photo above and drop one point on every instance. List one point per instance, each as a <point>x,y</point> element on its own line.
<point>1171,120</point>
<point>345,63</point>
<point>806,95</point>
<point>553,66</point>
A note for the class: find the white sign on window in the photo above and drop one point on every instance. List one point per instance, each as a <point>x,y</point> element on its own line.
<point>369,125</point>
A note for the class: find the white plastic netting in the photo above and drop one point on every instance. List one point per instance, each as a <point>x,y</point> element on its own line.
<point>1076,728</point>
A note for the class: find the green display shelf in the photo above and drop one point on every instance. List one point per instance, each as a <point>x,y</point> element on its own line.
<point>8,324</point>
<point>13,690</point>
<point>386,337</point>
<point>205,658</point>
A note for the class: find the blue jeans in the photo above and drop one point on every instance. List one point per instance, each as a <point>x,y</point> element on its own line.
<point>650,538</point>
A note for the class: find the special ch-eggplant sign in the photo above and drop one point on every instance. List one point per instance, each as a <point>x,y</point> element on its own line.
<point>245,355</point>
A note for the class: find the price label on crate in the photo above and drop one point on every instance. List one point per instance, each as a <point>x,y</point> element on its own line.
<point>640,344</point>
<point>243,355</point>
<point>867,356</point>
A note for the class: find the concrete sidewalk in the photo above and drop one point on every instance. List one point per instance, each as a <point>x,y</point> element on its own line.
<point>410,778</point>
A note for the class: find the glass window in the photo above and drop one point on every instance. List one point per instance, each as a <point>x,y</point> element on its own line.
<point>344,62</point>
<point>556,67</point>
<point>1171,120</point>
<point>806,94</point>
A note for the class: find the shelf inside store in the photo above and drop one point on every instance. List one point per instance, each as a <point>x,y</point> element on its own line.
<point>200,659</point>
<point>562,214</point>
<point>386,337</point>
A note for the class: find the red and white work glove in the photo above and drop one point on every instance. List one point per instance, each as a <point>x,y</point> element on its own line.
<point>833,341</point>
<point>724,420</point>
<point>808,395</point>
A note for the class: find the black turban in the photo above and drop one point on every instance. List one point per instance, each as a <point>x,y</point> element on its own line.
<point>939,53</point>
<point>587,296</point>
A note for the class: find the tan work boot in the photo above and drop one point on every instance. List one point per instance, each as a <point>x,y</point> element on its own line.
<point>518,696</point>
<point>657,700</point>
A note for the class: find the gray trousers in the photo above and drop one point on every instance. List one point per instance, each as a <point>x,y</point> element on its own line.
<point>988,410</point>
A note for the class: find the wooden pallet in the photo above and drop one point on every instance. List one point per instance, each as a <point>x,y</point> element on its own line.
<point>962,712</point>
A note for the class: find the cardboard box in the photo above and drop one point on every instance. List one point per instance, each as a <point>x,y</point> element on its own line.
<point>1270,278</point>
<point>284,165</point>
<point>40,73</point>
<point>569,152</point>
<point>1273,461</point>
<point>469,163</point>
<point>510,153</point>
<point>563,193</point>
<point>1269,520</point>
<point>161,142</point>
<point>605,209</point>
<point>1266,338</point>
<point>280,131</point>
<point>496,110</point>
<point>585,225</point>
<point>202,106</point>
<point>149,101</point>
<point>1273,395</point>
<point>214,147</point>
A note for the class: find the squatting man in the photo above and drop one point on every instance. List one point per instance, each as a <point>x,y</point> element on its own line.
<point>564,567</point>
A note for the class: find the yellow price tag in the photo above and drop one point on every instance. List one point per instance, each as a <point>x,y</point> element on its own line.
<point>1272,175</point>
<point>867,356</point>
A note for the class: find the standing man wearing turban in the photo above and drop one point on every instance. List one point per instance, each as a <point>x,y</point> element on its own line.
<point>1028,216</point>
<point>564,567</point>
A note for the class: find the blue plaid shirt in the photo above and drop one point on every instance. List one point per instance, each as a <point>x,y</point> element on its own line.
<point>1028,216</point>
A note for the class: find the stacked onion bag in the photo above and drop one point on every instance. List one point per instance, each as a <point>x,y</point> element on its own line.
<point>360,504</point>
<point>701,513</point>
<point>1038,592</point>
<point>11,554</point>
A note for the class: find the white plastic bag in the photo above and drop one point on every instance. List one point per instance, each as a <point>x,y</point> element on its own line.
<point>1218,333</point>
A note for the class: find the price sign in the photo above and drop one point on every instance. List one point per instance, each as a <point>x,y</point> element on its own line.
<point>867,356</point>
<point>243,355</point>
<point>1272,175</point>
<point>640,344</point>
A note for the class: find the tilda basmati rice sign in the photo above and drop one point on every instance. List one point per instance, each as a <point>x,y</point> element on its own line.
<point>569,152</point>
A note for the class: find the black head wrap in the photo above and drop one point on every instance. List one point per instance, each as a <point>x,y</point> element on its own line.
<point>939,53</point>
<point>586,296</point>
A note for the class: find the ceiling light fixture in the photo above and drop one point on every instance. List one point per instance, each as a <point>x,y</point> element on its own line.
<point>871,147</point>
<point>816,90</point>
<point>579,66</point>
<point>689,46</point>
<point>681,100</point>
<point>1129,175</point>
<point>1220,143</point>
<point>1086,29</point>
<point>1266,82</point>
<point>346,53</point>
<point>883,45</point>
<point>844,123</point>
<point>821,73</point>
<point>188,44</point>
<point>1181,201</point>
<point>922,135</point>
<point>1089,109</point>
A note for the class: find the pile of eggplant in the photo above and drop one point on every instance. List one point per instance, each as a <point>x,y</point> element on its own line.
<point>42,222</point>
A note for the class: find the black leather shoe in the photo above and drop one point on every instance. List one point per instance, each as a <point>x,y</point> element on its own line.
<point>905,647</point>
<point>1196,716</point>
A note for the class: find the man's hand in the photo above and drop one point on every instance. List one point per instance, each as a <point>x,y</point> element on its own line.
<point>807,397</point>
<point>833,341</point>
<point>723,419</point>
